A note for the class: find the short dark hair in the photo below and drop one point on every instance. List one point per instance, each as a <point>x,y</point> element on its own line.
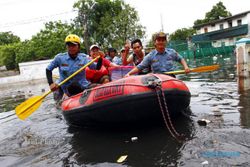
<point>111,50</point>
<point>136,41</point>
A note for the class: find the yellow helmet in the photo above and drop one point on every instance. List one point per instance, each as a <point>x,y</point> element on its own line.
<point>72,38</point>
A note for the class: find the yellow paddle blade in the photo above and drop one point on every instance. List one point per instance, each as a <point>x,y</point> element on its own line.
<point>26,108</point>
<point>198,69</point>
<point>32,104</point>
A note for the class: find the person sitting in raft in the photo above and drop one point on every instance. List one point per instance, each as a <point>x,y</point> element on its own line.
<point>136,57</point>
<point>118,58</point>
<point>111,54</point>
<point>99,76</point>
<point>68,63</point>
<point>160,59</point>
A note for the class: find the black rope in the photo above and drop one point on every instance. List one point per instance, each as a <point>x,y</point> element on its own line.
<point>164,110</point>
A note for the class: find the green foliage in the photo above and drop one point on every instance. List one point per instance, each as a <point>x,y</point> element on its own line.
<point>25,52</point>
<point>108,23</point>
<point>218,11</point>
<point>8,38</point>
<point>182,34</point>
<point>8,56</point>
<point>45,44</point>
<point>50,41</point>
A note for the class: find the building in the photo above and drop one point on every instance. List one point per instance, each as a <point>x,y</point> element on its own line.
<point>223,32</point>
<point>29,71</point>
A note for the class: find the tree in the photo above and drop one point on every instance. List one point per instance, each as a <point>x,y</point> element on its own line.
<point>106,22</point>
<point>8,56</point>
<point>50,41</point>
<point>8,38</point>
<point>182,34</point>
<point>218,11</point>
<point>45,44</point>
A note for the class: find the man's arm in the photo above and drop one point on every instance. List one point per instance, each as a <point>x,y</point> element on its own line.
<point>53,86</point>
<point>99,64</point>
<point>133,71</point>
<point>185,66</point>
<point>49,76</point>
<point>125,56</point>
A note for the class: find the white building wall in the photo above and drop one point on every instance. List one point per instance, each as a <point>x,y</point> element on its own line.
<point>216,27</point>
<point>229,41</point>
<point>29,71</point>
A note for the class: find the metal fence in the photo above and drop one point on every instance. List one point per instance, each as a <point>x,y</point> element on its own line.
<point>200,49</point>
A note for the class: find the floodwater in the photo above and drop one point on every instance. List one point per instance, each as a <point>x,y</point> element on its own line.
<point>44,139</point>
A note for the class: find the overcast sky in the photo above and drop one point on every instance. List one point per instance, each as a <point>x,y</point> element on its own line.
<point>27,17</point>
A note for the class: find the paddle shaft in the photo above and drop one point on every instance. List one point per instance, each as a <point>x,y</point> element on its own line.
<point>198,69</point>
<point>72,75</point>
<point>75,73</point>
<point>26,108</point>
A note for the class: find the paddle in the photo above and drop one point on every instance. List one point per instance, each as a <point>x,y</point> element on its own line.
<point>32,104</point>
<point>198,69</point>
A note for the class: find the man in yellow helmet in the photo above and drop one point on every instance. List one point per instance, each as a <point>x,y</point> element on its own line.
<point>68,63</point>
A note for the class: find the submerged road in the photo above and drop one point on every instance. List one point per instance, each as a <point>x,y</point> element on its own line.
<point>44,139</point>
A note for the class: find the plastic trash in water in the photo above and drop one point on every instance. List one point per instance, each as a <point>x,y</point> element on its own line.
<point>203,122</point>
<point>204,163</point>
<point>133,139</point>
<point>122,158</point>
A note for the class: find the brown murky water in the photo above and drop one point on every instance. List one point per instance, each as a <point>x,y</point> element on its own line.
<point>44,139</point>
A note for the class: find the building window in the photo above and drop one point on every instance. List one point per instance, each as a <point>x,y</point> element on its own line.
<point>230,24</point>
<point>205,29</point>
<point>239,22</point>
<point>222,43</point>
<point>221,26</point>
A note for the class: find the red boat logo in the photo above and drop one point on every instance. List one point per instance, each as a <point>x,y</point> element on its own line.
<point>108,91</point>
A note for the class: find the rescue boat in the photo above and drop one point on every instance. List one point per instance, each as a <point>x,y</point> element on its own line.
<point>134,100</point>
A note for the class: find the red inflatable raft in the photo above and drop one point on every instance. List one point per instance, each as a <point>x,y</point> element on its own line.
<point>128,101</point>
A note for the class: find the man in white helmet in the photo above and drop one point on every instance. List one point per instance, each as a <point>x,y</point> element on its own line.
<point>68,63</point>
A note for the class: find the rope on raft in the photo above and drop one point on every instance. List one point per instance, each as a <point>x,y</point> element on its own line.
<point>156,85</point>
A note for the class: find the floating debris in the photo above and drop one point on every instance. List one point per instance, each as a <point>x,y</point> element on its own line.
<point>216,109</point>
<point>217,112</point>
<point>122,158</point>
<point>203,122</point>
<point>133,139</point>
<point>231,76</point>
<point>30,94</point>
<point>204,163</point>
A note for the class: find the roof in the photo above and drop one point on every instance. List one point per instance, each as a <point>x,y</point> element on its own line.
<point>243,40</point>
<point>224,19</point>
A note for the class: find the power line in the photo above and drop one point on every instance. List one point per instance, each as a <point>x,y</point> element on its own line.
<point>10,2</point>
<point>33,20</point>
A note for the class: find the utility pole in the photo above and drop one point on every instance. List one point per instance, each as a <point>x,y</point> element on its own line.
<point>162,29</point>
<point>85,26</point>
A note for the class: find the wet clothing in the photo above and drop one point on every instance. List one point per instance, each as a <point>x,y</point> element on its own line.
<point>117,60</point>
<point>160,62</point>
<point>97,76</point>
<point>108,58</point>
<point>67,66</point>
<point>136,61</point>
